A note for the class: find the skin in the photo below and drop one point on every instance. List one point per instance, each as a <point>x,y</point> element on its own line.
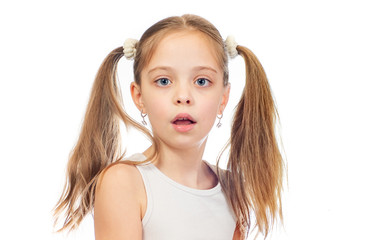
<point>183,76</point>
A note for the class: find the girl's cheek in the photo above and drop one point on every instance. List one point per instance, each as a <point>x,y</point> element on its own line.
<point>158,107</point>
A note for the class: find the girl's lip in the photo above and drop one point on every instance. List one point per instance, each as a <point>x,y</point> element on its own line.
<point>183,116</point>
<point>183,127</point>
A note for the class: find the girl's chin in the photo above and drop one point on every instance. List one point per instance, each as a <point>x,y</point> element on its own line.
<point>181,142</point>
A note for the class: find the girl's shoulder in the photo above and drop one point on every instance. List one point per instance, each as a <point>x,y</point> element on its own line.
<point>122,180</point>
<point>121,175</point>
<point>118,205</point>
<point>123,172</point>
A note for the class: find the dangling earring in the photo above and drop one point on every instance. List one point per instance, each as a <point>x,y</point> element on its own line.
<point>143,117</point>
<point>219,123</point>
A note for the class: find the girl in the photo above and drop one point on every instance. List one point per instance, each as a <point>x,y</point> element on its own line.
<point>168,192</point>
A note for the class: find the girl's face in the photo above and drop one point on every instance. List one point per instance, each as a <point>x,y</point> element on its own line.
<point>182,89</point>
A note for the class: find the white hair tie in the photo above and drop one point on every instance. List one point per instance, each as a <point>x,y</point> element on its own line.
<point>231,47</point>
<point>129,48</point>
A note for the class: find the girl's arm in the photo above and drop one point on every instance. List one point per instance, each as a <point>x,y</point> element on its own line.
<point>117,209</point>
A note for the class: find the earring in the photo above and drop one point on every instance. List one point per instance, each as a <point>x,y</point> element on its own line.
<point>219,123</point>
<point>143,117</point>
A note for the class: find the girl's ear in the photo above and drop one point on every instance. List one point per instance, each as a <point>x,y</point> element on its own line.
<point>225,98</point>
<point>137,96</point>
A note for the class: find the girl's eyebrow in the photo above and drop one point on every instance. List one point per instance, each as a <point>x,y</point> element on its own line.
<point>198,68</point>
<point>160,68</point>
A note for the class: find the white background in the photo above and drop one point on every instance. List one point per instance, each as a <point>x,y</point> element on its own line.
<point>315,54</point>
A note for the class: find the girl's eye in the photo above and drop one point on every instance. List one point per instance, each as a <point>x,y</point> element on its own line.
<point>163,82</point>
<point>203,82</point>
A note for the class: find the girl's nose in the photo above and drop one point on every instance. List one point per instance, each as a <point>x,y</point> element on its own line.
<point>183,100</point>
<point>183,95</point>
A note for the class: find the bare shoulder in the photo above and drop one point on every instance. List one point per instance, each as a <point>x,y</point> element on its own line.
<point>119,174</point>
<point>118,203</point>
<point>121,180</point>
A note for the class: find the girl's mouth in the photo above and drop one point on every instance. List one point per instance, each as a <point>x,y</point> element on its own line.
<point>183,122</point>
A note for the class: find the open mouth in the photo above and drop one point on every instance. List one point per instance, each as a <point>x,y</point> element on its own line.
<point>183,121</point>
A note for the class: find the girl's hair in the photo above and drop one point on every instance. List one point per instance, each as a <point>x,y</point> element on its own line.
<point>253,179</point>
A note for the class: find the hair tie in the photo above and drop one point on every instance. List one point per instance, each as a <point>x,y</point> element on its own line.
<point>231,47</point>
<point>129,48</point>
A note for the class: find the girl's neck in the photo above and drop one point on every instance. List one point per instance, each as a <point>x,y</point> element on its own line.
<point>185,166</point>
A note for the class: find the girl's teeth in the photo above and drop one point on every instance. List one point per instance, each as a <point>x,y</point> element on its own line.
<point>183,122</point>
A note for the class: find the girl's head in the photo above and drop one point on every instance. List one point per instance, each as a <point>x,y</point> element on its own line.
<point>181,72</point>
<point>152,36</point>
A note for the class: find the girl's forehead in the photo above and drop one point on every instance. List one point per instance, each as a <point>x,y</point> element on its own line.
<point>186,47</point>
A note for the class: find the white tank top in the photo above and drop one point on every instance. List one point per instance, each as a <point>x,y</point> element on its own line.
<point>176,212</point>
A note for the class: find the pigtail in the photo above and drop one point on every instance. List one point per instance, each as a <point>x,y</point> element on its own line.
<point>253,183</point>
<point>99,144</point>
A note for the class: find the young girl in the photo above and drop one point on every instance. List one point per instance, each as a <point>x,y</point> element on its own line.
<point>168,192</point>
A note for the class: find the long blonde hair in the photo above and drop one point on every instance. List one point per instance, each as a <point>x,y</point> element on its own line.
<point>252,181</point>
